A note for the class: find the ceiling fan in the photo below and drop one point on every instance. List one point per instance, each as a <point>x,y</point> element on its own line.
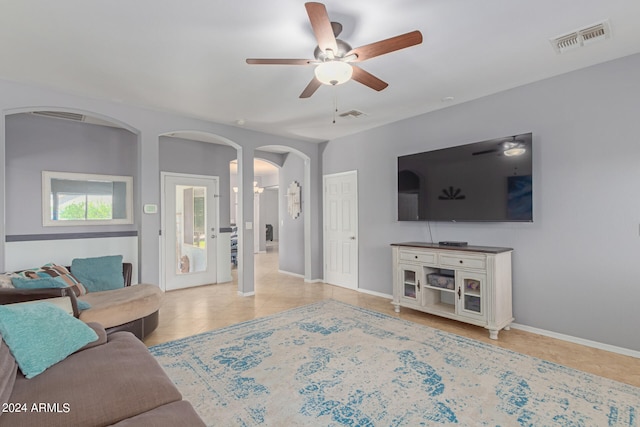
<point>335,59</point>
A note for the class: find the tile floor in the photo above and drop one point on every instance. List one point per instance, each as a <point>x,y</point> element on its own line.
<point>190,311</point>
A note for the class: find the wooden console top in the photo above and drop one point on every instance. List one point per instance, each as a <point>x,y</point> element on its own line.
<point>468,248</point>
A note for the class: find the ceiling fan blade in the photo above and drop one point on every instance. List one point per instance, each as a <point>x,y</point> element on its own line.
<point>257,61</point>
<point>388,45</point>
<point>321,26</point>
<point>311,88</point>
<point>368,79</point>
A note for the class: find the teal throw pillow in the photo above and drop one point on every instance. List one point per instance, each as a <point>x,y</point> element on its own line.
<point>40,283</point>
<point>40,335</point>
<point>100,273</point>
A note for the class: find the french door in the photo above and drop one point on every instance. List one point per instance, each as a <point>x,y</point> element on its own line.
<point>190,228</point>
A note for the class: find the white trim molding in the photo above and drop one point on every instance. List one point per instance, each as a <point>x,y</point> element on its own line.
<point>374,293</point>
<point>288,273</point>
<point>576,340</point>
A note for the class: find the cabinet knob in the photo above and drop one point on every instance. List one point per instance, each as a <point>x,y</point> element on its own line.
<point>416,256</point>
<point>461,262</point>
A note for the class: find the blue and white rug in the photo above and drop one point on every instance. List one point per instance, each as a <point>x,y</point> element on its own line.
<point>333,364</point>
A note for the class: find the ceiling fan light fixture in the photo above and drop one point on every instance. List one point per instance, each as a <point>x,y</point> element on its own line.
<point>333,73</point>
<point>515,150</point>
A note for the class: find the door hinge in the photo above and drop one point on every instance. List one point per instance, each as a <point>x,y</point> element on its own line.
<point>159,232</point>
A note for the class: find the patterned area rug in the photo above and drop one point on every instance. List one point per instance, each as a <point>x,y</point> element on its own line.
<point>333,364</point>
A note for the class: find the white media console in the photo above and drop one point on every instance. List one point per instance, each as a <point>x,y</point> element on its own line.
<point>471,284</point>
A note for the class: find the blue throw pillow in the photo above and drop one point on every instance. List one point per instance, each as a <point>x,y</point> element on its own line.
<point>99,274</point>
<point>40,283</point>
<point>40,335</point>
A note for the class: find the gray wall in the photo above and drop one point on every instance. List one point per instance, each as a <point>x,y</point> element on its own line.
<point>147,125</point>
<point>271,210</point>
<point>35,143</point>
<point>200,158</point>
<point>291,243</point>
<point>576,267</point>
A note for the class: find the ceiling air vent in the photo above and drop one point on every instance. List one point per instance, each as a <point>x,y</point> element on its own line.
<point>76,117</point>
<point>353,114</point>
<point>60,115</point>
<point>595,33</point>
<point>581,37</point>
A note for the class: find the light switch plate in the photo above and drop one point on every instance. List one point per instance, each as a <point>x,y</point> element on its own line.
<point>248,225</point>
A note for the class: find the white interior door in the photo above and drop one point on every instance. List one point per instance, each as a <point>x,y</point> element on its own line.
<point>190,228</point>
<point>341,229</point>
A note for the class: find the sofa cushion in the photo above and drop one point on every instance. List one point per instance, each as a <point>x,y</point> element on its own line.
<point>57,272</point>
<point>41,334</point>
<point>179,413</point>
<point>101,386</point>
<point>99,273</point>
<point>120,306</point>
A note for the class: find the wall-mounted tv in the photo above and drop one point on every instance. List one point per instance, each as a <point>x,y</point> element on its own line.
<point>484,181</point>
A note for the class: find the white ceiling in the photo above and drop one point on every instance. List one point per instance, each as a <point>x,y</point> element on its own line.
<point>188,56</point>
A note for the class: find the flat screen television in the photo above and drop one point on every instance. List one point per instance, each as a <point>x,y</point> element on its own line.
<point>484,181</point>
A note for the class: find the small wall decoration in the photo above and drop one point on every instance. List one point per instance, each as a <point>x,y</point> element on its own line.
<point>293,196</point>
<point>452,194</point>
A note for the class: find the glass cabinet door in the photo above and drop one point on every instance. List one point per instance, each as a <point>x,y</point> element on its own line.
<point>471,295</point>
<point>410,281</point>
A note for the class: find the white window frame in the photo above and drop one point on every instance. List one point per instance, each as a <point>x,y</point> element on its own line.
<point>48,176</point>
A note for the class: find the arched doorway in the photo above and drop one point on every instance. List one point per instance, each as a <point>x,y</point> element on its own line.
<point>186,156</point>
<point>295,231</point>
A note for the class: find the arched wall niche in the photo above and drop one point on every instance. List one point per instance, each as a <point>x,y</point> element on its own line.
<point>26,242</point>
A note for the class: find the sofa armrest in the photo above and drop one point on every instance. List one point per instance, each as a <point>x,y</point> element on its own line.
<point>11,296</point>
<point>102,336</point>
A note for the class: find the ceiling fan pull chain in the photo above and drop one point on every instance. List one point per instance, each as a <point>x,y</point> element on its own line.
<point>335,103</point>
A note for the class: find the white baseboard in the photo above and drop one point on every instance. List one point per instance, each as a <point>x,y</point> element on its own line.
<point>374,293</point>
<point>551,334</point>
<point>576,340</point>
<point>288,273</point>
<point>246,294</point>
<point>301,276</point>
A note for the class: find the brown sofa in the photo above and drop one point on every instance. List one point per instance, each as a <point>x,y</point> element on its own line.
<point>112,381</point>
<point>132,308</point>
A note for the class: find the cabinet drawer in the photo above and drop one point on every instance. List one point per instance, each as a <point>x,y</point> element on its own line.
<point>463,261</point>
<point>428,257</point>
